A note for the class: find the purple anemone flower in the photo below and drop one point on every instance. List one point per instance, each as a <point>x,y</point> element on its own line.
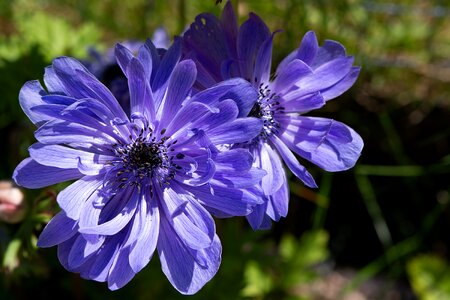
<point>305,80</point>
<point>145,181</point>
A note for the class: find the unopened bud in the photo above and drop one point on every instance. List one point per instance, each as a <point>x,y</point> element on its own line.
<point>12,206</point>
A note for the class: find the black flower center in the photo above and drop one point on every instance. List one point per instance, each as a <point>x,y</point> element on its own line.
<point>145,156</point>
<point>143,159</point>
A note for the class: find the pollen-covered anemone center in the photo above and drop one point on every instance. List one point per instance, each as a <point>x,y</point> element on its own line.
<point>265,108</point>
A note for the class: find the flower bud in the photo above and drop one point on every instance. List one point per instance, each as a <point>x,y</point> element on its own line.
<point>12,206</point>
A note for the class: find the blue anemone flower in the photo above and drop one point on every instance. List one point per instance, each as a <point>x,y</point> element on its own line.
<point>305,80</point>
<point>145,181</point>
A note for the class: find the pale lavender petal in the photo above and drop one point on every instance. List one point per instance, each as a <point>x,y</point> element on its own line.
<point>146,237</point>
<point>289,75</point>
<point>120,272</point>
<point>270,161</point>
<point>238,131</point>
<point>72,198</point>
<point>278,202</point>
<point>141,98</point>
<point>302,104</point>
<point>64,157</point>
<point>118,222</point>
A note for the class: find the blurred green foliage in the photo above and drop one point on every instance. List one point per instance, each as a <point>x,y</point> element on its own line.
<point>292,266</point>
<point>376,219</point>
<point>430,277</point>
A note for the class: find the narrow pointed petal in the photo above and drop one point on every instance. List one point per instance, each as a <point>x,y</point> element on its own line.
<point>118,222</point>
<point>120,273</point>
<point>141,98</point>
<point>261,72</point>
<point>292,163</point>
<point>270,161</point>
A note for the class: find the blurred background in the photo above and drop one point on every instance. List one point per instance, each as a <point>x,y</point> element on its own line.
<point>378,231</point>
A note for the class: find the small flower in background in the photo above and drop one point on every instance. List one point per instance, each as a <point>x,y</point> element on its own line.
<point>12,204</point>
<point>305,80</point>
<point>145,181</point>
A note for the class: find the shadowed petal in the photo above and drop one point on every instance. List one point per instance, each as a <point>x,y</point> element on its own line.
<point>188,270</point>
<point>59,229</point>
<point>252,35</point>
<point>30,95</point>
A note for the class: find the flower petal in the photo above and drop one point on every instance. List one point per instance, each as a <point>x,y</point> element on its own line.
<point>180,83</point>
<point>120,273</point>
<point>343,85</point>
<point>292,162</point>
<point>33,175</point>
<point>72,198</point>
<point>251,36</point>
<point>30,95</point>
<point>141,97</point>
<point>118,221</point>
<point>270,161</point>
<point>59,229</point>
<point>191,222</point>
<point>181,264</point>
<point>64,157</point>
<point>146,236</point>
<point>308,48</point>
<point>239,131</point>
<point>327,143</point>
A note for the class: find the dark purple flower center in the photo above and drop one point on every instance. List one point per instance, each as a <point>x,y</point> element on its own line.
<point>265,108</point>
<point>143,159</point>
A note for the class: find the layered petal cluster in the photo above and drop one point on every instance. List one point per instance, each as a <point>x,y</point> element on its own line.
<point>305,80</point>
<point>144,181</point>
<point>104,65</point>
